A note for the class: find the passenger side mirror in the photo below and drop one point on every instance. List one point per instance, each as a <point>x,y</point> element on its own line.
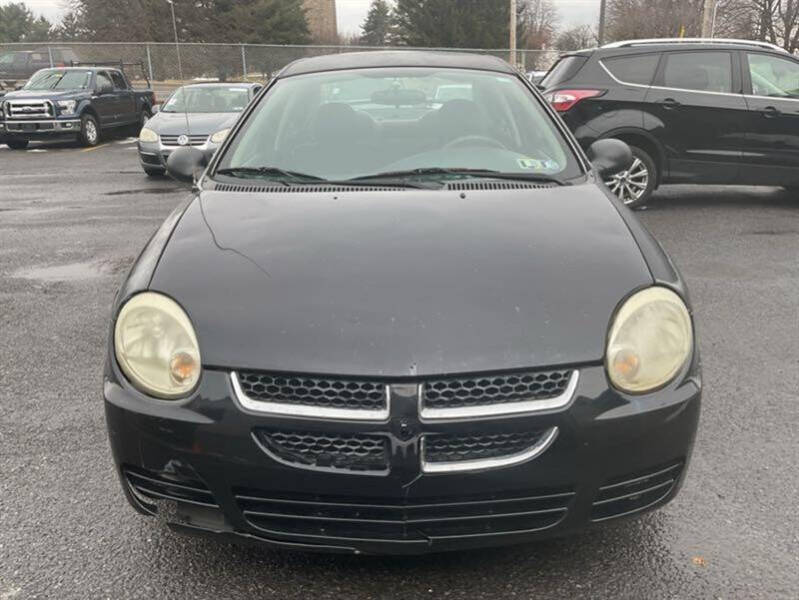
<point>610,156</point>
<point>155,109</point>
<point>186,164</point>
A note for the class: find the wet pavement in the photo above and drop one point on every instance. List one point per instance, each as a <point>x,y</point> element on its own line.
<point>71,223</point>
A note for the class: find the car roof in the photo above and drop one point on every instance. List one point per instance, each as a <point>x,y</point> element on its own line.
<point>396,58</point>
<point>661,44</point>
<point>211,84</point>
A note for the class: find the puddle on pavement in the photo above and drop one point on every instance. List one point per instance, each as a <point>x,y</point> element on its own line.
<point>78,271</point>
<point>170,190</point>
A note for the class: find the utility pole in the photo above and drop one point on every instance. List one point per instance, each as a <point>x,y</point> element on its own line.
<point>708,18</point>
<point>513,32</point>
<point>601,29</point>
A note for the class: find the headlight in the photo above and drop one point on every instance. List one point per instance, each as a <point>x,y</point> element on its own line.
<point>156,347</point>
<point>68,106</point>
<point>148,135</point>
<point>219,136</point>
<point>650,340</point>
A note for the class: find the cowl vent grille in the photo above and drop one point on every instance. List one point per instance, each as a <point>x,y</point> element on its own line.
<point>487,186</point>
<point>302,189</point>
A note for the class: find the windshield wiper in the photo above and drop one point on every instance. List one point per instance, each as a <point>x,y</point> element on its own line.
<point>289,177</point>
<point>463,173</point>
<point>269,172</point>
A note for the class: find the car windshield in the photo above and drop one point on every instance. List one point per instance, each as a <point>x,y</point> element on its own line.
<point>216,99</point>
<point>52,79</point>
<point>400,122</point>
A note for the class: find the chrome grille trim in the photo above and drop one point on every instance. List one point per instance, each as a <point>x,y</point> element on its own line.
<point>512,460</point>
<point>29,109</point>
<point>308,411</point>
<point>194,140</point>
<point>486,411</point>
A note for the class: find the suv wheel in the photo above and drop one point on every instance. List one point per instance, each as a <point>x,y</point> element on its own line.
<point>635,186</point>
<point>17,144</point>
<point>89,131</point>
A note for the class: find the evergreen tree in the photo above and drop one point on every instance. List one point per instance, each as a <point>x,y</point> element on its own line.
<point>457,23</point>
<point>378,26</point>
<point>17,24</point>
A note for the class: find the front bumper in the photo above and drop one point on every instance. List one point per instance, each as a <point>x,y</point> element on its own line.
<point>200,465</point>
<point>153,155</point>
<point>39,129</point>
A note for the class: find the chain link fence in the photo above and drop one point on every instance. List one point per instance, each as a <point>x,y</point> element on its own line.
<point>168,68</point>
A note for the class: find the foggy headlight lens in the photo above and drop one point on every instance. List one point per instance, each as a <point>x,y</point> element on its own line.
<point>148,135</point>
<point>68,106</point>
<point>219,136</point>
<point>156,346</point>
<point>650,340</point>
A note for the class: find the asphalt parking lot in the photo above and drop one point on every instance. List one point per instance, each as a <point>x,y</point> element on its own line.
<point>73,220</point>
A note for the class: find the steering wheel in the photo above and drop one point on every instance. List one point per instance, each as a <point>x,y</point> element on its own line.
<point>469,140</point>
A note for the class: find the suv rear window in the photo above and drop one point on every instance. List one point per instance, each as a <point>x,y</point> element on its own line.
<point>638,69</point>
<point>564,69</point>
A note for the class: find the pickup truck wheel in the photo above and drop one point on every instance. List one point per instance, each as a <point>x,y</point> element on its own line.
<point>17,144</point>
<point>89,131</point>
<point>143,118</point>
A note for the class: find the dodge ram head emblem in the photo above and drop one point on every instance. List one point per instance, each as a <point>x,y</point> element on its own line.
<point>183,140</point>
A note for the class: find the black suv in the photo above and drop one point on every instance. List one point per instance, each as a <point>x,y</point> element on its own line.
<point>693,111</point>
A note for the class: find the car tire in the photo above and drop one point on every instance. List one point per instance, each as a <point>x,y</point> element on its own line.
<point>634,186</point>
<point>151,172</point>
<point>89,131</point>
<point>17,144</point>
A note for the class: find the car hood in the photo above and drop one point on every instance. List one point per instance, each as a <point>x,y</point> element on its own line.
<point>44,94</point>
<point>401,283</point>
<point>199,123</point>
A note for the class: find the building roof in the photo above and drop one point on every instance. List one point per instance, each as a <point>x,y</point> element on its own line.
<point>396,58</point>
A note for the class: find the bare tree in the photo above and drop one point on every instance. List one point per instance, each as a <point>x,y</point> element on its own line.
<point>538,21</point>
<point>631,19</point>
<point>576,38</point>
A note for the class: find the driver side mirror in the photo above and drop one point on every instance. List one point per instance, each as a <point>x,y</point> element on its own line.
<point>156,108</point>
<point>105,89</point>
<point>610,156</point>
<point>186,164</point>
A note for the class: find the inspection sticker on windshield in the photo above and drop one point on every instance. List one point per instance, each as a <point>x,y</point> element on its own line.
<point>533,164</point>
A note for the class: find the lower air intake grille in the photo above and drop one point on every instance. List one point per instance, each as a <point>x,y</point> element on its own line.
<point>166,486</point>
<point>453,448</point>
<point>360,452</point>
<point>634,493</point>
<point>314,518</point>
<point>310,391</point>
<point>495,389</point>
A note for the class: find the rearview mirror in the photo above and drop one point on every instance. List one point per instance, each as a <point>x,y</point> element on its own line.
<point>186,164</point>
<point>610,156</point>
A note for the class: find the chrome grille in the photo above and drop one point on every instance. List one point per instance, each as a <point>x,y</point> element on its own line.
<point>30,109</point>
<point>352,452</point>
<point>459,392</point>
<point>194,140</point>
<point>478,446</point>
<point>313,391</point>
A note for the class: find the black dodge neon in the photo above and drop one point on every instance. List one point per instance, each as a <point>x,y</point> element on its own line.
<point>395,320</point>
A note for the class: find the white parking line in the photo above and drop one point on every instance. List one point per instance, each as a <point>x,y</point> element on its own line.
<point>37,150</point>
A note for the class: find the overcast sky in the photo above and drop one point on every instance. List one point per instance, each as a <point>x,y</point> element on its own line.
<point>352,12</point>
